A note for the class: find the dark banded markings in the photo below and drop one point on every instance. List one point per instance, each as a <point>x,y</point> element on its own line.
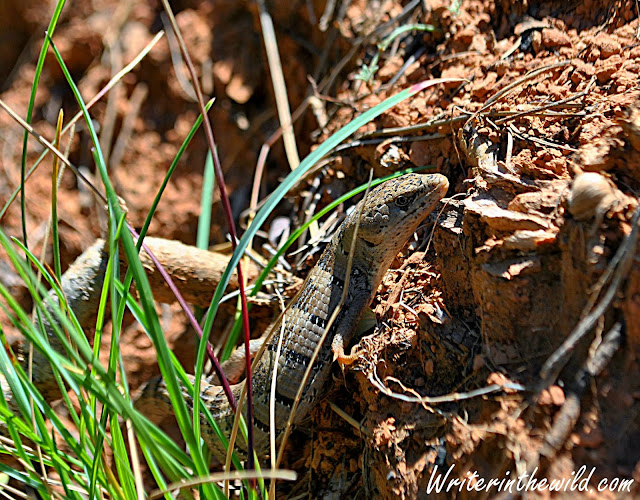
<point>290,356</point>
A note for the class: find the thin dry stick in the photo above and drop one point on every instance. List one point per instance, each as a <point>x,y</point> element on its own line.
<point>116,78</point>
<point>329,9</point>
<point>551,105</point>
<point>135,461</point>
<point>431,124</point>
<point>332,319</point>
<point>272,400</point>
<point>287,475</point>
<point>446,398</point>
<point>351,421</point>
<point>521,80</point>
<point>14,491</point>
<point>52,148</point>
<point>544,142</point>
<point>620,261</point>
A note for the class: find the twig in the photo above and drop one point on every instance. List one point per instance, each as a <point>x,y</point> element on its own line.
<point>52,148</point>
<point>551,105</point>
<point>620,262</point>
<point>447,398</point>
<point>329,8</point>
<point>544,142</point>
<point>521,80</point>
<point>351,421</point>
<point>431,124</point>
<point>378,140</point>
<point>565,420</point>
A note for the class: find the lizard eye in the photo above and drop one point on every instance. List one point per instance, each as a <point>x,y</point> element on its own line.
<point>402,201</point>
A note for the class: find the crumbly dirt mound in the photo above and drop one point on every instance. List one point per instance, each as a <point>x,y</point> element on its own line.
<point>541,143</point>
<point>520,254</point>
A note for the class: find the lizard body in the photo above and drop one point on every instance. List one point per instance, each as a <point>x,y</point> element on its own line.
<point>390,214</point>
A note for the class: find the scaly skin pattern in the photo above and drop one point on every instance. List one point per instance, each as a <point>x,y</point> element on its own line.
<point>391,213</point>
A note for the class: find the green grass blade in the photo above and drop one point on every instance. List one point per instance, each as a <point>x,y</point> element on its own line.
<point>32,99</point>
<point>206,199</point>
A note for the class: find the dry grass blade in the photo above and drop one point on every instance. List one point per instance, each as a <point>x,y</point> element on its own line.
<point>135,460</point>
<point>272,399</point>
<point>51,148</point>
<point>279,86</point>
<point>280,92</point>
<point>287,475</point>
<point>115,79</point>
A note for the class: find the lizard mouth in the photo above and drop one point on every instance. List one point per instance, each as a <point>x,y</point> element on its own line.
<point>443,184</point>
<point>438,185</point>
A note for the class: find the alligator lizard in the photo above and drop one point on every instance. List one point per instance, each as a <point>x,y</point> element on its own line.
<point>391,213</point>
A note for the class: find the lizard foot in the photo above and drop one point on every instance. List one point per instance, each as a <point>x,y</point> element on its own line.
<point>337,346</point>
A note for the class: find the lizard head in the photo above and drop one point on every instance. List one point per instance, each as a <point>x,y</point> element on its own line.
<point>394,210</point>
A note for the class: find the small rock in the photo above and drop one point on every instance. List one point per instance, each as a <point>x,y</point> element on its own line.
<point>607,44</point>
<point>591,194</point>
<point>481,87</point>
<point>536,41</point>
<point>552,37</point>
<point>465,36</point>
<point>606,68</point>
